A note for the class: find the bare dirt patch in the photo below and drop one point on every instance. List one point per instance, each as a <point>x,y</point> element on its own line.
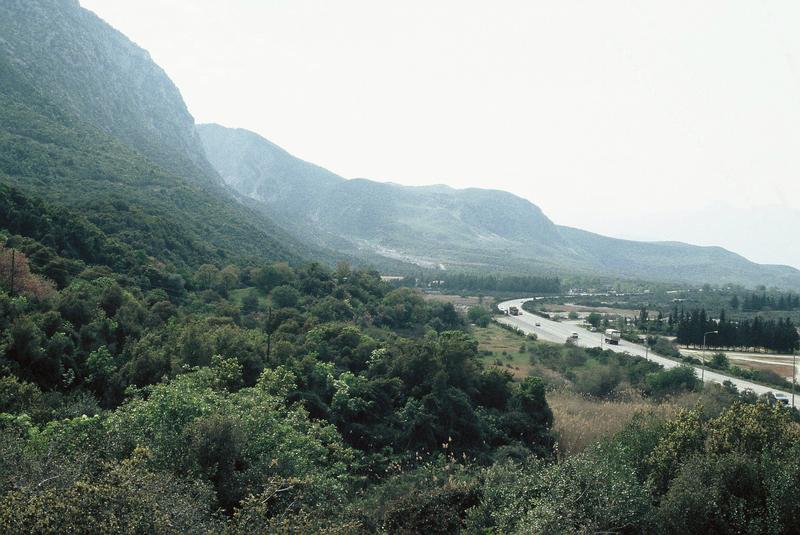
<point>780,364</point>
<point>585,309</point>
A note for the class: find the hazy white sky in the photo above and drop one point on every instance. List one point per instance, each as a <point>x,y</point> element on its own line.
<point>649,120</point>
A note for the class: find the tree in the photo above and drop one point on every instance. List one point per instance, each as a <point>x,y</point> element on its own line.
<point>284,296</point>
<point>672,381</point>
<point>644,317</point>
<point>15,274</point>
<point>479,315</point>
<point>250,302</point>
<point>100,367</point>
<point>719,361</point>
<point>228,278</point>
<point>272,275</point>
<point>206,276</point>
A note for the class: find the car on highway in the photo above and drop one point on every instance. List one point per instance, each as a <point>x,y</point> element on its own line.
<point>573,335</point>
<point>781,398</point>
<point>538,323</point>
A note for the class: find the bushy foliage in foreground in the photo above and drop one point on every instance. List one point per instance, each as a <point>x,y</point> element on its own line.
<point>280,399</point>
<point>730,474</point>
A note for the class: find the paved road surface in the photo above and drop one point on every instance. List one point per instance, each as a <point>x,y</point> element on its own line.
<point>553,331</point>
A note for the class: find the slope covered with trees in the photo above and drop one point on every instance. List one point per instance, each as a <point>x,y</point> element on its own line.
<point>280,399</point>
<point>169,363</point>
<point>77,128</point>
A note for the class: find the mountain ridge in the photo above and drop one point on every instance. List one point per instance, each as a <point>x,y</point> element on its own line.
<point>90,123</point>
<point>470,228</point>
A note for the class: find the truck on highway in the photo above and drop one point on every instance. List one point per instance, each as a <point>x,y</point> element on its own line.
<point>514,311</point>
<point>612,336</point>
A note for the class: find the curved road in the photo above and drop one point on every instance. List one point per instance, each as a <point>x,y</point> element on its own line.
<point>554,331</point>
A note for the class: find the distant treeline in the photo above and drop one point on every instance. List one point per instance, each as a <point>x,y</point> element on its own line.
<point>504,283</point>
<point>764,301</point>
<point>780,335</point>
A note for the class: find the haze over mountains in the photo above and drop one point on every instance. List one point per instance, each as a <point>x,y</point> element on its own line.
<point>90,124</point>
<point>438,226</point>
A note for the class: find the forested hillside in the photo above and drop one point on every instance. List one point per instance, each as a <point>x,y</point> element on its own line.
<point>104,131</point>
<point>94,73</point>
<point>172,362</point>
<point>279,399</point>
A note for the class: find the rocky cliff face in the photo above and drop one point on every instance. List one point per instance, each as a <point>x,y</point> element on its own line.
<point>75,59</point>
<point>89,122</point>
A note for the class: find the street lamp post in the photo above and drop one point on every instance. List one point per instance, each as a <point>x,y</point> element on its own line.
<point>794,372</point>
<point>703,367</point>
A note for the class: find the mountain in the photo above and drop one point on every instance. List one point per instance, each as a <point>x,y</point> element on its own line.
<point>675,261</point>
<point>90,123</point>
<point>438,226</point>
<point>98,75</point>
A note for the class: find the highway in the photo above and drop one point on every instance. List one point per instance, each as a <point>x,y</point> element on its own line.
<point>555,331</point>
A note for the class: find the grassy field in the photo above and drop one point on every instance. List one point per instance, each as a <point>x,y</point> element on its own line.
<point>238,294</point>
<point>580,420</point>
<point>501,348</point>
<point>460,300</point>
<point>774,362</point>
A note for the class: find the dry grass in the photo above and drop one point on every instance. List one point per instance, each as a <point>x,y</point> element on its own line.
<point>496,339</point>
<point>580,421</point>
<point>460,300</point>
<point>783,370</point>
<point>779,364</point>
<point>504,347</point>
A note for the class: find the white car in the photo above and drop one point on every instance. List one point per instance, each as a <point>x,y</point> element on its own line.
<point>538,324</point>
<point>781,398</point>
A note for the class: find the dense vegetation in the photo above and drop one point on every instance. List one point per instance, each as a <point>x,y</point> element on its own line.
<point>524,284</point>
<point>238,383</point>
<point>773,301</point>
<point>278,398</point>
<point>317,400</point>
<point>169,362</point>
<point>52,147</point>
<point>778,335</point>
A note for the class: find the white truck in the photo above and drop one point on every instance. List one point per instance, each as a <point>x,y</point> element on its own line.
<point>612,336</point>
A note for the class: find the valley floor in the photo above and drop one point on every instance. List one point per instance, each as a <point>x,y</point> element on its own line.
<point>559,332</point>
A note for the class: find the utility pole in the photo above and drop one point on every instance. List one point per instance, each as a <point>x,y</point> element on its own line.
<point>794,372</point>
<point>269,331</point>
